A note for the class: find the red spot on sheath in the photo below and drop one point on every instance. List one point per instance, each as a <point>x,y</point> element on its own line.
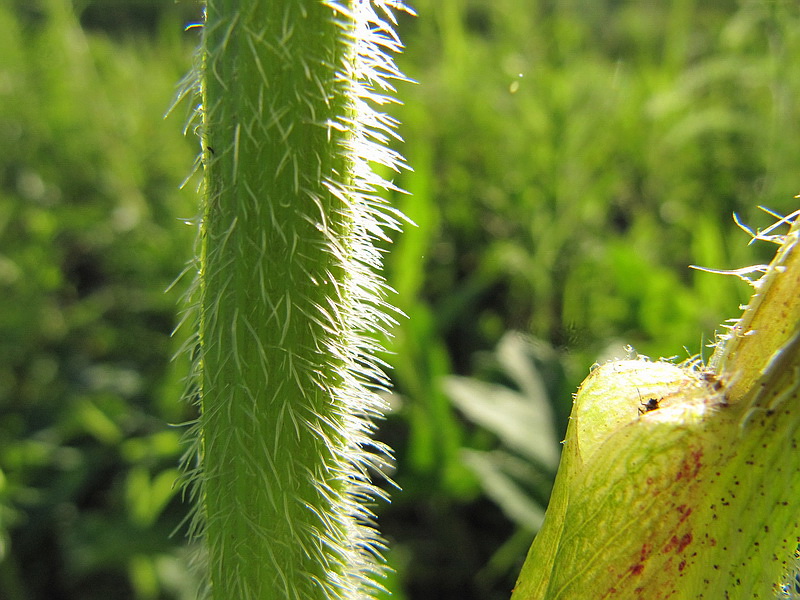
<point>678,544</point>
<point>682,565</point>
<point>690,467</point>
<point>685,512</point>
<point>645,552</point>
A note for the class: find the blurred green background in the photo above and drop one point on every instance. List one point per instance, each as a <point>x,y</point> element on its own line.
<point>571,159</point>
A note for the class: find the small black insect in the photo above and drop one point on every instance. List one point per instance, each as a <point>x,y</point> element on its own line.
<point>651,404</point>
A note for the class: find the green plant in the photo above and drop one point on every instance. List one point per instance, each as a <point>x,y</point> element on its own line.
<point>290,301</point>
<point>518,474</point>
<point>90,237</point>
<point>682,481</point>
<point>536,211</point>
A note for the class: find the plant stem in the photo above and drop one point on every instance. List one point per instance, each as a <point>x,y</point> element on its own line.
<point>682,483</point>
<point>288,295</point>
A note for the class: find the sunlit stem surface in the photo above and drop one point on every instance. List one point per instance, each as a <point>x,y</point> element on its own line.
<point>289,294</point>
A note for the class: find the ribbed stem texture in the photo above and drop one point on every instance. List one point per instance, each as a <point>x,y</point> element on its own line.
<point>289,296</point>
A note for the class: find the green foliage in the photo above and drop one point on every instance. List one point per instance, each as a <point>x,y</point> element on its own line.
<point>92,235</point>
<point>570,162</point>
<point>518,474</point>
<point>567,203</point>
<point>560,157</point>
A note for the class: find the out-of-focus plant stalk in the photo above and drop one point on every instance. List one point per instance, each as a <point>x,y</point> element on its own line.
<point>289,296</point>
<point>683,482</point>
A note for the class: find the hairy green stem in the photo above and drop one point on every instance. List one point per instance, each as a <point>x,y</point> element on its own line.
<point>288,294</point>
